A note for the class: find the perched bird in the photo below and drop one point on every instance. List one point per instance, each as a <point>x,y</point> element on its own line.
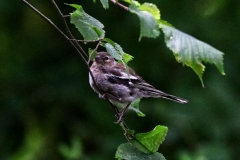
<point>118,86</point>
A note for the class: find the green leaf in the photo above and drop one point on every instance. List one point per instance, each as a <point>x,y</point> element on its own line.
<point>135,107</point>
<point>164,23</point>
<point>192,52</point>
<point>116,51</point>
<point>151,8</point>
<point>111,49</point>
<point>105,4</point>
<point>152,140</point>
<point>89,27</point>
<point>115,46</point>
<point>127,57</point>
<point>132,2</point>
<point>148,24</point>
<point>127,152</point>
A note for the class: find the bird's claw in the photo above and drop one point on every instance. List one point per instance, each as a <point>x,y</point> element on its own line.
<point>119,117</point>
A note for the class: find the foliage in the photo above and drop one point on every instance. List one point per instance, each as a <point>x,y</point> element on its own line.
<point>192,52</point>
<point>128,152</point>
<point>89,27</point>
<point>46,101</point>
<point>186,49</point>
<point>145,145</point>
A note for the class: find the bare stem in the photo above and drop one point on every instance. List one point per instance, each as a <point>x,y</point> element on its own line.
<point>87,41</point>
<point>119,4</point>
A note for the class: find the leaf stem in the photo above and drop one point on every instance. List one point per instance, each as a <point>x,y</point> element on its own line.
<point>119,4</point>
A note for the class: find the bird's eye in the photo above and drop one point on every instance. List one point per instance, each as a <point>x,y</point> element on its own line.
<point>105,58</point>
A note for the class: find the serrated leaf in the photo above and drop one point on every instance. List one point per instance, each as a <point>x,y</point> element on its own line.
<point>192,52</point>
<point>148,24</point>
<point>151,8</point>
<point>113,51</point>
<point>164,23</point>
<point>105,4</point>
<point>135,107</point>
<point>117,47</point>
<point>152,140</point>
<point>127,152</point>
<point>116,51</point>
<point>127,57</point>
<point>109,41</point>
<point>88,26</point>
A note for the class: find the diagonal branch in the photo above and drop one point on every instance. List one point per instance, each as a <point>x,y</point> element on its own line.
<point>59,30</point>
<point>45,18</point>
<point>78,45</point>
<point>80,51</point>
<point>68,30</point>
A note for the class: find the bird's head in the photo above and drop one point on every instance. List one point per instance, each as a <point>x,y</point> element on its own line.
<point>105,59</point>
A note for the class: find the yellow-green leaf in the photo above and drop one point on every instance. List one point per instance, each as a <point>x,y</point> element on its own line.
<point>151,8</point>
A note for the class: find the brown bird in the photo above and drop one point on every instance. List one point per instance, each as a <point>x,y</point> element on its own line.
<point>120,87</point>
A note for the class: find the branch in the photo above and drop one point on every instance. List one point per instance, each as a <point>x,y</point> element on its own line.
<point>45,18</point>
<point>79,50</point>
<point>68,30</point>
<point>87,62</point>
<point>119,4</point>
<point>87,41</point>
<point>59,30</point>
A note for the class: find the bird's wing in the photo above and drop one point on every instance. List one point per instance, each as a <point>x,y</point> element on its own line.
<point>118,74</point>
<point>134,81</point>
<point>124,79</point>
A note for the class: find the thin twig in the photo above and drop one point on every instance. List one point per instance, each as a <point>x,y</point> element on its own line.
<point>90,55</point>
<point>75,45</point>
<point>68,30</point>
<point>65,16</point>
<point>45,18</point>
<point>93,78</point>
<point>119,4</point>
<point>50,22</point>
<point>87,41</point>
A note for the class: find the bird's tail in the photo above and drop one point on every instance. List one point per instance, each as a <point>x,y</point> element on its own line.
<point>150,91</point>
<point>173,98</point>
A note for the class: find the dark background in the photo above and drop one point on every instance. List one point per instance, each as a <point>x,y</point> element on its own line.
<point>49,111</point>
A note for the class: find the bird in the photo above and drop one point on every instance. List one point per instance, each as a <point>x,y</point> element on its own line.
<point>119,86</point>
